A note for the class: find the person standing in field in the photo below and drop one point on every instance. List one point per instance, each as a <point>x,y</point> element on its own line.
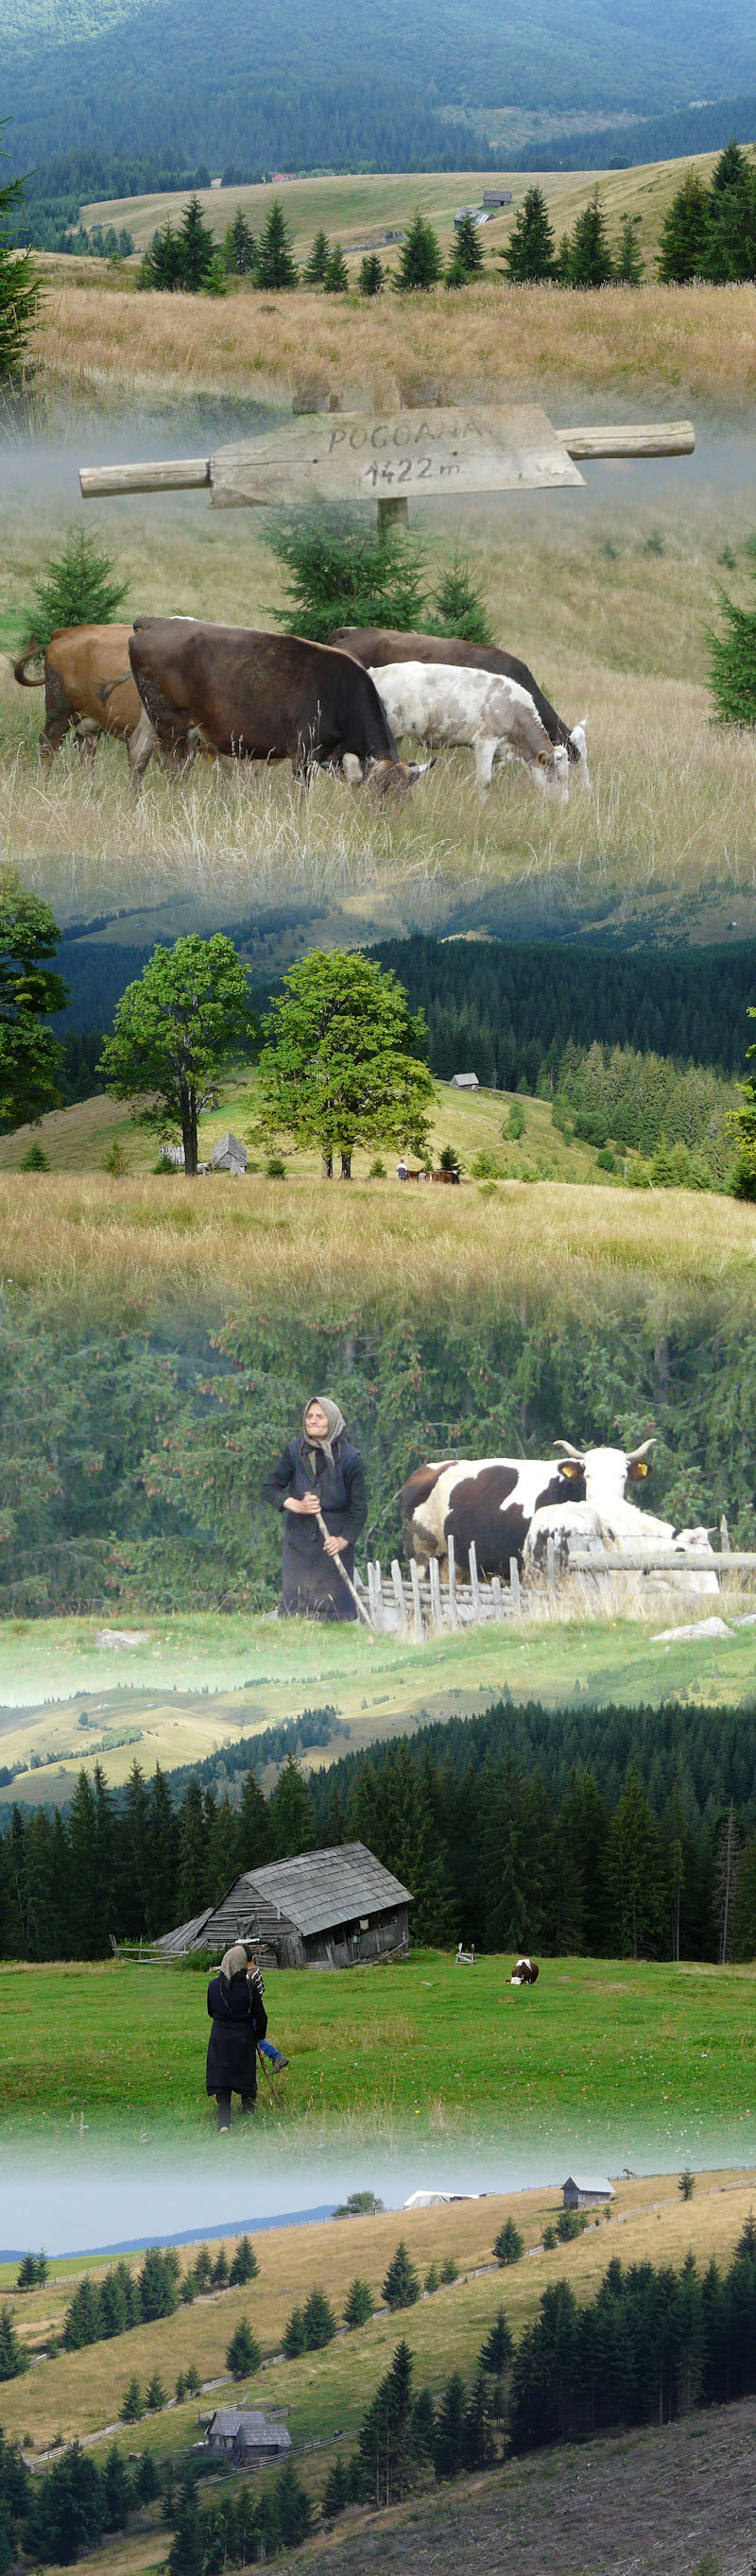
<point>239,2019</point>
<point>318,1473</point>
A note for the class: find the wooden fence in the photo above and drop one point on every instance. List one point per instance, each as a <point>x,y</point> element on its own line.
<point>415,1603</point>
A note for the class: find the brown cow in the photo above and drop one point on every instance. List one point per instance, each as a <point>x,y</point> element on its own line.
<point>376,646</point>
<point>261,697</point>
<point>87,682</point>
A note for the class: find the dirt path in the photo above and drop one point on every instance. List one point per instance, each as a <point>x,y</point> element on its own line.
<point>650,2500</point>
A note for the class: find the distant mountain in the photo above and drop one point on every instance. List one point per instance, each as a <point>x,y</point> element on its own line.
<point>282,84</point>
<point>704,128</point>
<point>188,2235</point>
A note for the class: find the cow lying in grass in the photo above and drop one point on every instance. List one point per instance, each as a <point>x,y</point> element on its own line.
<point>602,1523</point>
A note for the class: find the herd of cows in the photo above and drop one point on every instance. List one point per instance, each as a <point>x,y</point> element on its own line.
<point>180,686</point>
<point>512,1508</point>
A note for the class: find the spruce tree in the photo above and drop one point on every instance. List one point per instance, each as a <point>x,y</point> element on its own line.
<point>244,2264</point>
<point>13,2359</point>
<point>467,254</point>
<point>684,236</point>
<point>252,1825</point>
<point>132,2406</point>
<point>509,2245</point>
<point>529,256</point>
<point>336,2490</point>
<point>316,266</point>
<point>79,588</point>
<point>239,248</point>
<point>276,265</point>
<point>294,2338</point>
<point>420,262</point>
<point>371,274</point>
<point>401,2287</point>
<point>118,2492</point>
<point>243,2354</point>
<point>731,257</point>
<point>195,247</point>
<point>477,2438</point>
<point>629,268</point>
<point>590,259</point>
<point>20,288</point>
<point>336,280</point>
<point>449,2442</point>
<point>358,2304</point>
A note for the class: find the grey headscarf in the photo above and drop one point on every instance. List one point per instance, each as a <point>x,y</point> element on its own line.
<point>336,1424</point>
<point>235,1961</point>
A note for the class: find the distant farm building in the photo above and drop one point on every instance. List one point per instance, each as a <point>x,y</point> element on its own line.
<point>326,1909</point>
<point>590,2193</point>
<point>464,1082</point>
<point>229,1155</point>
<point>477,214</point>
<point>245,2438</point>
<point>497,196</point>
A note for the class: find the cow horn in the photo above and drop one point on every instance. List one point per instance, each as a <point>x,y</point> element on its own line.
<point>569,1450</point>
<point>634,1454</point>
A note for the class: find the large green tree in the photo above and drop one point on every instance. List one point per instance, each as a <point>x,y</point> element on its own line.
<point>684,236</point>
<point>420,263</point>
<point>342,1066</point>
<point>529,256</point>
<point>590,259</point>
<point>275,265</point>
<point>175,1033</point>
<point>30,1056</point>
<point>20,289</point>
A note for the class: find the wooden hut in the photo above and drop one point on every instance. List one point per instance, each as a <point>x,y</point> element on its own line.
<point>244,2437</point>
<point>589,2193</point>
<point>326,1909</point>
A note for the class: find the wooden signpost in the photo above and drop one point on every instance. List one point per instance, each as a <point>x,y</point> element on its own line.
<point>389,457</point>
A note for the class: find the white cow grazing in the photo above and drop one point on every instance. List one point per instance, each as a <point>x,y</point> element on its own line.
<point>494,716</point>
<point>605,1523</point>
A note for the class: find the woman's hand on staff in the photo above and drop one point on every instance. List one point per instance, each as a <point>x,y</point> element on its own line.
<point>302,1503</point>
<point>332,1546</point>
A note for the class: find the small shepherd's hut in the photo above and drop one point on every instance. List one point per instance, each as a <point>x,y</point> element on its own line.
<point>326,1909</point>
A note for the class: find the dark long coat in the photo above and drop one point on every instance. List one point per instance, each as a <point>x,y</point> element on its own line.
<point>310,1584</point>
<point>239,2019</point>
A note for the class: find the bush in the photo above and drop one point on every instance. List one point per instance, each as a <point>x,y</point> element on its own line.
<point>115,1161</point>
<point>275,1168</point>
<point>34,1160</point>
<point>449,2271</point>
<point>486,1166</point>
<point>377,1170</point>
<point>514,1124</point>
<point>570,2223</point>
<point>732,663</point>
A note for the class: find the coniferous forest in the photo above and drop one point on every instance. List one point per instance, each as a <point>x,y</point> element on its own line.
<point>593,1832</point>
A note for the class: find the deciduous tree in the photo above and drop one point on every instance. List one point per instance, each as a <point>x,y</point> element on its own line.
<point>175,1033</point>
<point>342,1065</point>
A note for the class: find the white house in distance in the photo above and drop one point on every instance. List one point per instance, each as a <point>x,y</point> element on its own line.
<point>590,2192</point>
<point>464,1082</point>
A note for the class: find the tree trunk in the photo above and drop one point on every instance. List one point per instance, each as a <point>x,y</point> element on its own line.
<point>189,1133</point>
<point>326,1164</point>
<point>346,1165</point>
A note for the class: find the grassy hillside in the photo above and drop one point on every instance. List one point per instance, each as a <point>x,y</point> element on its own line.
<point>660,2058</point>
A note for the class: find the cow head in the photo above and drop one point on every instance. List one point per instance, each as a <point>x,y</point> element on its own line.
<point>550,771</point>
<point>384,777</point>
<point>606,1471</point>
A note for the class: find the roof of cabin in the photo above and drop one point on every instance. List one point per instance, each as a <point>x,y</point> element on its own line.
<point>243,2423</point>
<point>322,1888</point>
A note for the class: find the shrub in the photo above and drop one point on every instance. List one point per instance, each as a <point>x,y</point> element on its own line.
<point>449,2270</point>
<point>34,1160</point>
<point>115,1161</point>
<point>275,1168</point>
<point>570,2223</point>
<point>432,2279</point>
<point>132,2408</point>
<point>732,663</point>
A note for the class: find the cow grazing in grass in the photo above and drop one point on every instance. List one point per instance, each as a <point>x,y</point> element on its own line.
<point>489,1501</point>
<point>601,1522</point>
<point>525,1973</point>
<point>256,696</point>
<point>376,646</point>
<point>88,684</point>
<point>495,717</point>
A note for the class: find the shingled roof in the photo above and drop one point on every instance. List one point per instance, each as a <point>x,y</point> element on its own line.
<point>324,1887</point>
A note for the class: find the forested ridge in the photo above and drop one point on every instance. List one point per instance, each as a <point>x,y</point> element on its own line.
<point>133,1459</point>
<point>275,96</point>
<point>598,1832</point>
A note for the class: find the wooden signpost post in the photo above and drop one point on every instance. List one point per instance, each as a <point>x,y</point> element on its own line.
<point>437,453</point>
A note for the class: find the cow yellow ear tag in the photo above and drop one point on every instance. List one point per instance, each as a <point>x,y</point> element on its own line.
<point>570,1467</point>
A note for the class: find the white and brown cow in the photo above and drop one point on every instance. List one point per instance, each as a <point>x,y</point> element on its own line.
<point>488,1500</point>
<point>524,1973</point>
<point>494,717</point>
<point>601,1521</point>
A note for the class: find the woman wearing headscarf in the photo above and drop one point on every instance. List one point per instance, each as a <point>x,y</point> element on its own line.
<point>239,2019</point>
<point>322,1473</point>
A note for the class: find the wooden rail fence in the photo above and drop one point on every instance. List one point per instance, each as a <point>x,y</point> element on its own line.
<point>414,1604</point>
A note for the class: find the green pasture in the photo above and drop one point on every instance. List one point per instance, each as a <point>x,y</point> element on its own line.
<point>194,1684</point>
<point>608,2054</point>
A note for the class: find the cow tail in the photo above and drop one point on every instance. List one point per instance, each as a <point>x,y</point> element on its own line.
<point>32,652</point>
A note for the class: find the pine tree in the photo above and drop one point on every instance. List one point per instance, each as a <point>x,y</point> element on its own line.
<point>449,2442</point>
<point>386,2448</point>
<point>731,258</point>
<point>83,2323</point>
<point>244,2265</point>
<point>529,257</point>
<point>239,248</point>
<point>358,2304</point>
<point>243,2354</point>
<point>294,2338</point>
<point>319,2321</point>
<point>315,270</point>
<point>509,2245</point>
<point>118,2492</point>
<point>195,247</point>
<point>290,1812</point>
<point>401,2287</point>
<point>457,608</point>
<point>467,255</point>
<point>684,236</point>
<point>590,259</point>
<point>629,268</point>
<point>336,2490</point>
<point>477,2439</point>
<point>221,2269</point>
<point>132,2406</point>
<point>636,1872</point>
<point>252,1825</point>
<point>276,265</point>
<point>13,2359</point>
<point>78,588</point>
<point>20,288</point>
<point>336,280</point>
<point>371,274</point>
<point>293,2507</point>
<point>420,263</point>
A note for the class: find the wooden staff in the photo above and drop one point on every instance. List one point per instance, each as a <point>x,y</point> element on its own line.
<point>346,1578</point>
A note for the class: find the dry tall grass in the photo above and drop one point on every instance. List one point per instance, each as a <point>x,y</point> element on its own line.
<point>667,826</point>
<point>146,1246</point>
<point>668,345</point>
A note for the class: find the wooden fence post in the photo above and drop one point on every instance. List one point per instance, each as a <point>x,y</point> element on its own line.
<point>514,1582</point>
<point>398,1586</point>
<point>474,1576</point>
<point>416,1601</point>
<point>435,1592</point>
<point>452,1578</point>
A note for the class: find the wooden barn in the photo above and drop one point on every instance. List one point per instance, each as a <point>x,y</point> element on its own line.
<point>589,2193</point>
<point>326,1909</point>
<point>245,2438</point>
